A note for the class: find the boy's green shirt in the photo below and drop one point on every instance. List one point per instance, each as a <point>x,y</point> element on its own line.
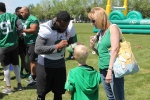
<point>83,82</point>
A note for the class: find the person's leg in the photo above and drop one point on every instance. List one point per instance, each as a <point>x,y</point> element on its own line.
<point>23,64</point>
<point>33,69</point>
<point>15,62</point>
<point>7,76</point>
<point>43,82</point>
<point>57,96</point>
<point>118,88</point>
<point>32,57</point>
<point>107,87</point>
<point>40,97</point>
<point>17,72</point>
<point>5,62</point>
<point>59,83</point>
<point>22,53</point>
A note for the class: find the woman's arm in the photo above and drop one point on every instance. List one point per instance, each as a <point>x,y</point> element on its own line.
<point>115,43</point>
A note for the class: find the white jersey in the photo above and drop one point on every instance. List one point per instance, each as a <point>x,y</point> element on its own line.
<point>53,37</point>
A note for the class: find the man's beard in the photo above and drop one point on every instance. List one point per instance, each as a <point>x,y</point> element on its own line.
<point>20,17</point>
<point>59,30</point>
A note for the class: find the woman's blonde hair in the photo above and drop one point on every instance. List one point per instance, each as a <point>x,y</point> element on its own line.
<point>101,21</point>
<point>81,53</point>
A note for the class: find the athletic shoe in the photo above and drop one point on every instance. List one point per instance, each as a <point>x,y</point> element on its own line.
<point>20,88</point>
<point>22,75</point>
<point>32,84</point>
<point>4,79</point>
<point>27,75</point>
<point>29,80</point>
<point>69,58</point>
<point>7,91</point>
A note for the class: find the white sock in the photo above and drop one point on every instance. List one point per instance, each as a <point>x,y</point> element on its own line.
<point>7,75</point>
<point>17,72</point>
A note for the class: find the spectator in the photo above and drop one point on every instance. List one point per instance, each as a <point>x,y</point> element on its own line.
<point>83,81</point>
<point>114,87</point>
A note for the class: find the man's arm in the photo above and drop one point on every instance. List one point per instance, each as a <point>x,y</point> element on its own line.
<point>40,47</point>
<point>19,26</point>
<point>32,30</point>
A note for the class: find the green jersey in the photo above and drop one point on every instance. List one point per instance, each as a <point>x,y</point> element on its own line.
<point>83,82</point>
<point>30,38</point>
<point>8,33</point>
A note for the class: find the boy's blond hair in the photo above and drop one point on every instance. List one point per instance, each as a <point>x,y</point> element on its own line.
<point>81,53</point>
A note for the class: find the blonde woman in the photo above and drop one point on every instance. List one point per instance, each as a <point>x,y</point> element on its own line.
<point>114,87</point>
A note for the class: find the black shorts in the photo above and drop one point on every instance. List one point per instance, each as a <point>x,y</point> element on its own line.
<point>10,57</point>
<point>30,52</point>
<point>50,79</point>
<point>21,46</point>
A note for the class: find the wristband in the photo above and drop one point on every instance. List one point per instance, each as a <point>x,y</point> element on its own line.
<point>110,69</point>
<point>57,46</point>
<point>24,34</point>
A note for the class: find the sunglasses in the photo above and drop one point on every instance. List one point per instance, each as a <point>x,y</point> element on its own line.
<point>93,21</point>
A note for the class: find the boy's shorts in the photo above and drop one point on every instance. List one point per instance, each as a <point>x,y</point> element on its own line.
<point>50,79</point>
<point>10,57</point>
<point>30,52</point>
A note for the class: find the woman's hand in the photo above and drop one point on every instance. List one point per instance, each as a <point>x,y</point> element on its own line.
<point>108,78</point>
<point>93,40</point>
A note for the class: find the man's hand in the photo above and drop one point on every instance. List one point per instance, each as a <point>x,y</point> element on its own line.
<point>62,44</point>
<point>22,34</point>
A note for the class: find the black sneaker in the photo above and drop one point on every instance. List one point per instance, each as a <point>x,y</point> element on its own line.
<point>20,88</point>
<point>32,84</point>
<point>70,58</point>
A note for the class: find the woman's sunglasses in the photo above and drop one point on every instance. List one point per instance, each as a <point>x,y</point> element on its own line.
<point>93,21</point>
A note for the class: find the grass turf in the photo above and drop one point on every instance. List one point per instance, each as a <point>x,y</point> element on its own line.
<point>136,86</point>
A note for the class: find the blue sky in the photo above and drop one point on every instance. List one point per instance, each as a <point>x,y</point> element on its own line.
<point>12,4</point>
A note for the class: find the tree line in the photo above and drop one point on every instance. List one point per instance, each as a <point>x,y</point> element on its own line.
<point>78,9</point>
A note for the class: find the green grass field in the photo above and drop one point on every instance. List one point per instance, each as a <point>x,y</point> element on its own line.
<point>136,86</point>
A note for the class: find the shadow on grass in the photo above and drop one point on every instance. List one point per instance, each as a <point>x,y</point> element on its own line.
<point>26,88</point>
<point>13,77</point>
<point>1,68</point>
<point>1,73</point>
<point>2,95</point>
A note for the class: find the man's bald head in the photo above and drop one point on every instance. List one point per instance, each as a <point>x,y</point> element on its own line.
<point>25,8</point>
<point>25,12</point>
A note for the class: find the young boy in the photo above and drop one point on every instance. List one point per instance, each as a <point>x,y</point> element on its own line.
<point>83,81</point>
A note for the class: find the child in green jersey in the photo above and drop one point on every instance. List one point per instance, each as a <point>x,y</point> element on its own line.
<point>83,81</point>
